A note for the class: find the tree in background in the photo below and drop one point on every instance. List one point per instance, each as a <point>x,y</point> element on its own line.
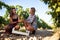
<point>42,24</point>
<point>2,4</point>
<point>2,20</point>
<point>55,13</point>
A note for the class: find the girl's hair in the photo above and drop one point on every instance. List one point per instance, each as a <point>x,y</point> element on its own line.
<point>11,12</point>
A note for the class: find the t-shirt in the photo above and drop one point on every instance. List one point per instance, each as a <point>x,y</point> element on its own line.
<point>31,18</point>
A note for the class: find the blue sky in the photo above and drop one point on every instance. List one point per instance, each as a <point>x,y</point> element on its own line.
<point>41,8</point>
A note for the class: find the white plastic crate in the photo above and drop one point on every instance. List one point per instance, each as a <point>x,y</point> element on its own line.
<point>19,32</point>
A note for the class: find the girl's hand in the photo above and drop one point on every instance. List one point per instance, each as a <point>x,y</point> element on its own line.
<point>20,21</point>
<point>14,22</point>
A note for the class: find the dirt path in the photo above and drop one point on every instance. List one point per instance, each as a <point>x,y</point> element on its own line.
<point>39,34</point>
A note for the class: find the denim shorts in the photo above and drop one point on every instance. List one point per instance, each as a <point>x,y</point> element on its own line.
<point>35,27</point>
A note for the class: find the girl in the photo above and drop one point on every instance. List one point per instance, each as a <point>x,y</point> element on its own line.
<point>14,19</point>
